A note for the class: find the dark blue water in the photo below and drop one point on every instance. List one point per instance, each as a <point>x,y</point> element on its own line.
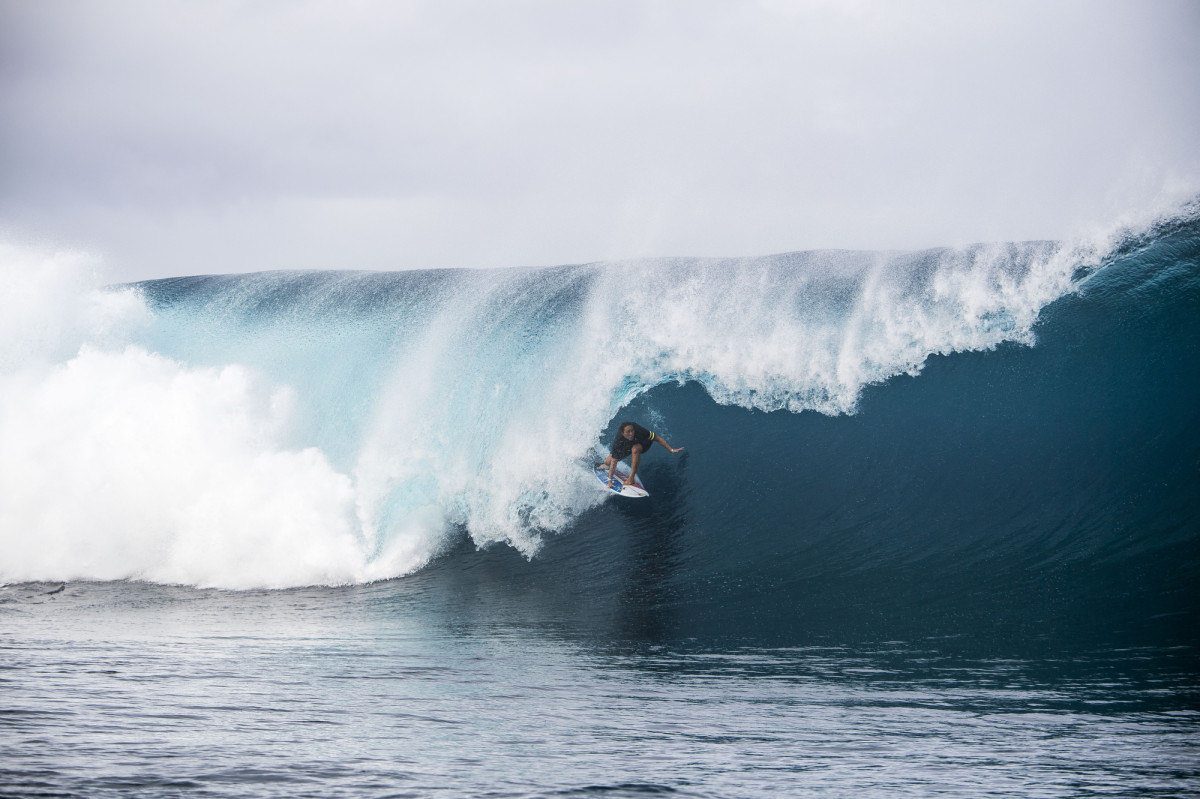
<point>935,531</point>
<point>398,689</point>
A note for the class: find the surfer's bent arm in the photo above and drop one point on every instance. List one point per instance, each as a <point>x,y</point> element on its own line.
<point>611,463</point>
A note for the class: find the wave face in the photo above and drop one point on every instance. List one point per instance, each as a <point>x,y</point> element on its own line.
<point>860,423</point>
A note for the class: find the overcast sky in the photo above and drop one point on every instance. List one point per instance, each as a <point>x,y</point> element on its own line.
<point>218,136</point>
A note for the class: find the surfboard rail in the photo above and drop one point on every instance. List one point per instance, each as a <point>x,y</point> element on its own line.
<point>636,490</point>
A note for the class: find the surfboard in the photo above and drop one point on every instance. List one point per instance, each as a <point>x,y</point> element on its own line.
<point>635,490</point>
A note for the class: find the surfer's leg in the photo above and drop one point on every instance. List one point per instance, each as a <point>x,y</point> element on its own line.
<point>633,463</point>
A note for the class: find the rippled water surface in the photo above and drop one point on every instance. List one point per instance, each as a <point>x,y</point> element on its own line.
<point>132,690</point>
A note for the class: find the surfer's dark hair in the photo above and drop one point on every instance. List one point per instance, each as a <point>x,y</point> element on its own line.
<point>621,427</point>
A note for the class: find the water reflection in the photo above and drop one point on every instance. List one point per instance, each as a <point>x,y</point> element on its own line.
<point>370,689</point>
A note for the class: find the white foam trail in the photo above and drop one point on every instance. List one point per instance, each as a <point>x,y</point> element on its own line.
<point>128,465</point>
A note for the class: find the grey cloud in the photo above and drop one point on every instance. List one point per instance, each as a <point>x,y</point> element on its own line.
<point>176,137</point>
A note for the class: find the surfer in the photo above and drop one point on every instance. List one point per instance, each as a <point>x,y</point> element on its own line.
<point>632,440</point>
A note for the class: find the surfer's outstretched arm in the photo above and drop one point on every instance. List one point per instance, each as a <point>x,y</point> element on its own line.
<point>663,441</point>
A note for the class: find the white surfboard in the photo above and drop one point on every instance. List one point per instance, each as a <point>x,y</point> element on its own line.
<point>634,490</point>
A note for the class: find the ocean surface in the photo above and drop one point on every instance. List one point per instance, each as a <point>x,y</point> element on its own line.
<point>935,532</point>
